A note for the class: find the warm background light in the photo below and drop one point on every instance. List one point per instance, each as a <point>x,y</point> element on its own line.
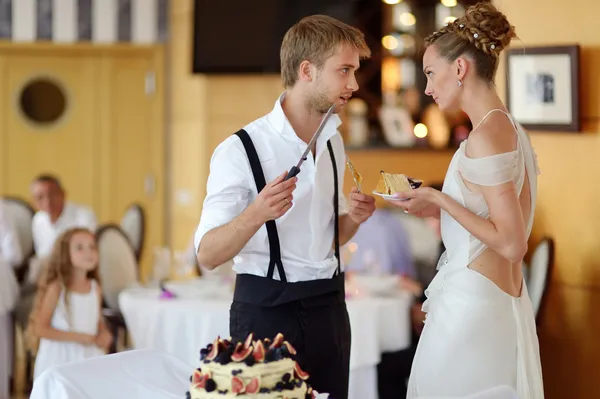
<point>449,3</point>
<point>389,42</point>
<point>391,1</point>
<point>449,20</point>
<point>420,130</point>
<point>407,19</point>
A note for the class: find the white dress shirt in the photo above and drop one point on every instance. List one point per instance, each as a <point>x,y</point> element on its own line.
<point>306,231</point>
<point>10,247</point>
<point>45,232</point>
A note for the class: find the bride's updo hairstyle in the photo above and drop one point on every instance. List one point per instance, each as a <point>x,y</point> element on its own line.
<point>481,34</point>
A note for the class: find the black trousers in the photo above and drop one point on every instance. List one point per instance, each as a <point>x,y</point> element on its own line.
<point>319,329</point>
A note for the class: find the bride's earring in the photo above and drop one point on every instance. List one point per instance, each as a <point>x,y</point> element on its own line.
<point>459,83</point>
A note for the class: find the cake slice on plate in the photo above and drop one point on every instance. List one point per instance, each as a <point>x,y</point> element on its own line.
<point>390,183</point>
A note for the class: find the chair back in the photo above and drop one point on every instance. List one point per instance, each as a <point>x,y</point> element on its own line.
<point>21,214</point>
<point>117,268</point>
<point>540,271</point>
<point>133,224</point>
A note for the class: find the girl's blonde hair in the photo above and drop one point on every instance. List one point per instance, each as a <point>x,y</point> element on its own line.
<point>58,268</point>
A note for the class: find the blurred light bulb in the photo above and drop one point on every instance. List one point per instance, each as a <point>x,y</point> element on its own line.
<point>420,130</point>
<point>449,20</point>
<point>449,3</point>
<point>389,42</point>
<point>407,19</point>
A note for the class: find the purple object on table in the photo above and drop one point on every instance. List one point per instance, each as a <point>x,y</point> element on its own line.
<point>165,293</point>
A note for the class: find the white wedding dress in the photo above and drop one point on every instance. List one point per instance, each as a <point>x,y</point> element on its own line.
<point>477,336</point>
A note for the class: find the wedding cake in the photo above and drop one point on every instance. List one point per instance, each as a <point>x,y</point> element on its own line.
<point>261,369</point>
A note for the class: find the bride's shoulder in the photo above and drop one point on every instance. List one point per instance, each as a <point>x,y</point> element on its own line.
<point>496,135</point>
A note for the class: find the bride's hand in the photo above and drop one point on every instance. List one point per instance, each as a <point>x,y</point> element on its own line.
<point>421,202</point>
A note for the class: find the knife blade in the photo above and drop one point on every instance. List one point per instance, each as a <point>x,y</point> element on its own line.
<point>296,168</point>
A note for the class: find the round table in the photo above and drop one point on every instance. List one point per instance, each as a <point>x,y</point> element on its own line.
<point>183,325</point>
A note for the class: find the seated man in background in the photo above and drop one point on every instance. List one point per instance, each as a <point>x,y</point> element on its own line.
<point>55,214</point>
<point>381,246</point>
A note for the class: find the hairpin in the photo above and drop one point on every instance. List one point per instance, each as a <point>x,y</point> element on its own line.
<point>476,35</point>
<point>492,46</point>
<point>461,26</point>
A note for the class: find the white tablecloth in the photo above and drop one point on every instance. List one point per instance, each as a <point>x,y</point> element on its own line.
<point>143,374</point>
<point>184,325</point>
<point>132,375</point>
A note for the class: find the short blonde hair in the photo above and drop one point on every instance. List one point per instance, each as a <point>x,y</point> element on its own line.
<point>315,38</point>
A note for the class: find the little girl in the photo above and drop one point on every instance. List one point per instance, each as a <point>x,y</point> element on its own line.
<point>67,317</point>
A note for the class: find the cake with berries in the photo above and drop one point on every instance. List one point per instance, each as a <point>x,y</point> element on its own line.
<point>261,369</point>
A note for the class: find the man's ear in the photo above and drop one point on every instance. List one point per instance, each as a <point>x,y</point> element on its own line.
<point>305,72</point>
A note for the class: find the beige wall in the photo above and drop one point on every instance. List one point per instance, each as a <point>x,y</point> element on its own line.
<point>569,201</point>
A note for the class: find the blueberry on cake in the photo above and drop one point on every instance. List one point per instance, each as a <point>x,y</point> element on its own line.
<point>261,369</point>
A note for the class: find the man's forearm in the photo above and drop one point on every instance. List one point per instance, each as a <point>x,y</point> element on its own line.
<point>224,242</point>
<point>347,229</point>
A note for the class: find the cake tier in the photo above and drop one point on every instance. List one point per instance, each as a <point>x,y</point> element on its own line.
<point>252,369</point>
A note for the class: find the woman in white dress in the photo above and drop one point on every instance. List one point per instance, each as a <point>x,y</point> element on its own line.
<point>480,329</point>
<point>67,313</point>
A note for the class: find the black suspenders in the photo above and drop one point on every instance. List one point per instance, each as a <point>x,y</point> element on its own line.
<point>259,179</point>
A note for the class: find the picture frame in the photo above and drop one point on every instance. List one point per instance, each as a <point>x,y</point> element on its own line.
<point>542,87</point>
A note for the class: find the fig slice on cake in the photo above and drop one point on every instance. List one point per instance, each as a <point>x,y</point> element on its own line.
<point>249,340</point>
<point>259,351</point>
<point>277,341</point>
<point>237,386</point>
<point>212,355</point>
<point>289,347</point>
<point>303,375</point>
<point>253,386</point>
<point>241,353</point>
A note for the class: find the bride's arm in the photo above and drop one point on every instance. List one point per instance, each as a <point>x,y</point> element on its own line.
<point>504,231</point>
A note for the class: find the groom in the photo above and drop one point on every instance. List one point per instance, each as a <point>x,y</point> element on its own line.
<point>285,234</point>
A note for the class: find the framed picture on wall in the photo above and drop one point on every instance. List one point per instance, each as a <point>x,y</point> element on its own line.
<point>542,87</point>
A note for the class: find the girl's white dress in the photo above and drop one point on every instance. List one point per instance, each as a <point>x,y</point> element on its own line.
<point>82,316</point>
<point>476,336</point>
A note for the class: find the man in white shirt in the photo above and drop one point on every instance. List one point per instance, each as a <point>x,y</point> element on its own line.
<point>285,235</point>
<point>55,215</point>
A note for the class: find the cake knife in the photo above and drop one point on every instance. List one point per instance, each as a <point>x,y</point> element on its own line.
<point>296,169</point>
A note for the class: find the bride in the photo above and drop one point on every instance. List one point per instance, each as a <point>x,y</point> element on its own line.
<point>480,329</point>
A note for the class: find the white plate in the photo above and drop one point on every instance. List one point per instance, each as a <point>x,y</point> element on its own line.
<point>389,197</point>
